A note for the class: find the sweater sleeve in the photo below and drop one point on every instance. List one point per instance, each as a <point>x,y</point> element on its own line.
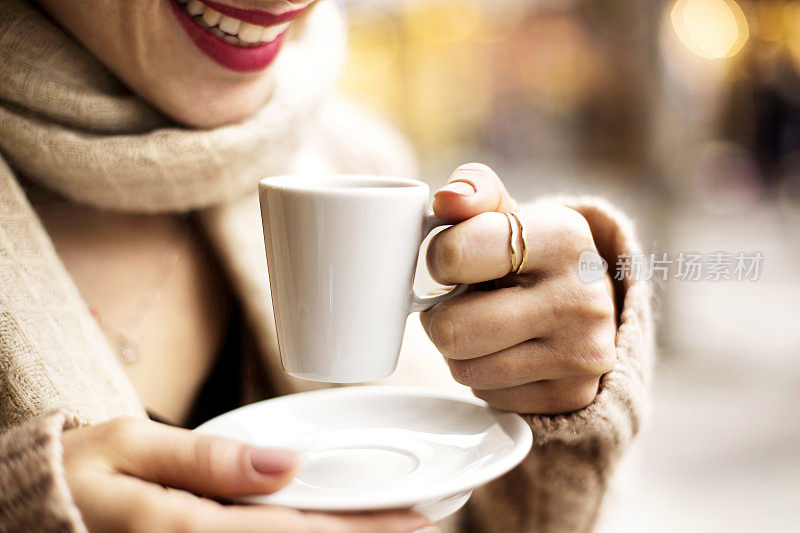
<point>560,486</point>
<point>35,495</point>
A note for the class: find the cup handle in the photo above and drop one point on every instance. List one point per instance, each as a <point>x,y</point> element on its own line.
<point>423,303</point>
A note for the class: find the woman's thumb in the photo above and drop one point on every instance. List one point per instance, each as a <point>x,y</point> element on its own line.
<point>471,190</point>
<point>202,464</point>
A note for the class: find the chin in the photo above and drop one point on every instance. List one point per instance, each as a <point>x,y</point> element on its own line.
<point>211,116</point>
<point>197,105</point>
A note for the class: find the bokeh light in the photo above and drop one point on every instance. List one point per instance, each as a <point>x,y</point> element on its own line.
<point>688,76</point>
<point>713,29</point>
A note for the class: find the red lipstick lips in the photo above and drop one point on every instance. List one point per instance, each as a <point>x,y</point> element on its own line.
<point>253,16</point>
<point>231,56</point>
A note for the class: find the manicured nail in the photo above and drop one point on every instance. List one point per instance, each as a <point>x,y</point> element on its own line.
<point>273,460</point>
<point>460,188</point>
<point>427,529</point>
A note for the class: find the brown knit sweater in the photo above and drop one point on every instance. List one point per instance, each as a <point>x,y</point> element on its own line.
<point>66,123</point>
<point>34,495</point>
<point>558,488</point>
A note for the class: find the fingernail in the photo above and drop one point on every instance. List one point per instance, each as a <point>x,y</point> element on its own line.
<point>427,529</point>
<point>273,460</point>
<point>460,188</point>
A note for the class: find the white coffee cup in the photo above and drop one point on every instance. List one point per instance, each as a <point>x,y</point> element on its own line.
<point>342,251</point>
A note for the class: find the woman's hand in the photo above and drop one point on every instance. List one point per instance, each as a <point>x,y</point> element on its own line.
<point>124,475</point>
<point>535,342</point>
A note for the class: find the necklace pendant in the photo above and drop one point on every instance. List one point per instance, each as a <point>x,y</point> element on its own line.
<point>128,349</point>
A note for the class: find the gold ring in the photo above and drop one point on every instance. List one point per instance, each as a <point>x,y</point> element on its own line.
<point>513,242</point>
<point>524,239</point>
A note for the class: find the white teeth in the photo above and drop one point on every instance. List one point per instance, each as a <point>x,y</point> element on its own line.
<point>235,30</point>
<point>250,33</point>
<point>230,25</point>
<point>195,7</point>
<point>271,33</point>
<point>211,17</point>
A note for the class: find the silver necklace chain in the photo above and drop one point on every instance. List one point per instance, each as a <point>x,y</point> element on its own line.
<point>126,339</point>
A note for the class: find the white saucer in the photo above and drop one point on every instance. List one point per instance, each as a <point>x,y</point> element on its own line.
<point>378,447</point>
<point>438,509</point>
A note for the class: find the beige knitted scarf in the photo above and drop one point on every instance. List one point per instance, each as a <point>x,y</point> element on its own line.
<point>68,124</point>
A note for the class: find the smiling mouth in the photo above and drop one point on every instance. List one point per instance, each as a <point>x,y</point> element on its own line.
<point>231,30</point>
<point>238,39</point>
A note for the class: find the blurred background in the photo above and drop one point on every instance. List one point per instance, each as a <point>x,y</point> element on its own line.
<point>686,115</point>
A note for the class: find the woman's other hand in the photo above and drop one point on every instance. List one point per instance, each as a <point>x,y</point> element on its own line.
<point>134,475</point>
<point>535,342</point>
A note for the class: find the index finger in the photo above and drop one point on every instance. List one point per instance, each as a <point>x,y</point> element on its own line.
<point>479,249</point>
<point>472,189</point>
<point>203,464</point>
